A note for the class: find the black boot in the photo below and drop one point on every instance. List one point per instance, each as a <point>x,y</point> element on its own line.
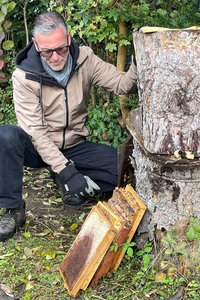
<point>11,221</point>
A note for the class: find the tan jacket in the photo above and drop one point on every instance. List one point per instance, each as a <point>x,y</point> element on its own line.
<point>54,117</point>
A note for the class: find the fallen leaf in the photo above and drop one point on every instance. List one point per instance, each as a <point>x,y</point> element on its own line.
<point>73,226</point>
<point>25,195</point>
<point>27,251</point>
<point>27,234</point>
<point>29,286</point>
<point>18,248</point>
<point>44,232</point>
<point>82,216</point>
<point>6,255</point>
<point>160,276</point>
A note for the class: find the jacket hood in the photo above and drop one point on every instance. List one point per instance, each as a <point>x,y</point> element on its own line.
<point>28,59</point>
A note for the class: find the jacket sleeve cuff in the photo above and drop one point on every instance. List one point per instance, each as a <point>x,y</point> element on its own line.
<point>68,172</point>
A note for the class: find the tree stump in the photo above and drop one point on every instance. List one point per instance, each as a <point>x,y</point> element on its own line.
<point>166,127</point>
<point>169,89</point>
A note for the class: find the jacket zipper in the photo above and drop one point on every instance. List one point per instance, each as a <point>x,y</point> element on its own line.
<point>66,101</point>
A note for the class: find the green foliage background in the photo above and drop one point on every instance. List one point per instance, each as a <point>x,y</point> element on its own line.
<point>143,274</point>
<point>93,23</point>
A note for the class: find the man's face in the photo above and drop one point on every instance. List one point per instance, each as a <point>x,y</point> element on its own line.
<point>57,40</point>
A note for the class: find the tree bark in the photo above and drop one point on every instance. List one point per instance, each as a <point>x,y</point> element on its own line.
<point>121,60</point>
<point>169,90</point>
<point>166,128</point>
<point>121,63</point>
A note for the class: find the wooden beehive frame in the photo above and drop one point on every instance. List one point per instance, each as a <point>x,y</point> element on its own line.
<point>89,257</point>
<point>87,251</point>
<point>110,256</point>
<point>140,208</point>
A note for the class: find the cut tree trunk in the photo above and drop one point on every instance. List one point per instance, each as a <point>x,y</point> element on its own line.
<point>166,127</point>
<point>169,87</point>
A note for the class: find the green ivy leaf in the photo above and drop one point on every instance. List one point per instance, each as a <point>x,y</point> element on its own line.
<point>147,249</point>
<point>146,260</point>
<point>198,236</point>
<point>113,14</point>
<point>162,12</point>
<point>140,253</point>
<point>124,42</point>
<point>196,227</point>
<point>111,47</point>
<point>114,247</point>
<point>8,45</point>
<point>59,9</point>
<point>11,5</point>
<point>190,234</point>
<point>132,244</point>
<point>2,16</point>
<point>130,252</point>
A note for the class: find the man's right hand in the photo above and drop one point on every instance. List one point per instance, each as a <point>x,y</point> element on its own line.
<point>77,184</point>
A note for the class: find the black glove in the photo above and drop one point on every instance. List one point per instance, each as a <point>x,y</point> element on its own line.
<point>76,183</point>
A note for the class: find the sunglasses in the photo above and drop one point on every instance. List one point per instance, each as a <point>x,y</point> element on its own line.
<point>49,52</point>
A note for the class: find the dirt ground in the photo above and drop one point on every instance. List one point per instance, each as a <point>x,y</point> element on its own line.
<point>44,205</point>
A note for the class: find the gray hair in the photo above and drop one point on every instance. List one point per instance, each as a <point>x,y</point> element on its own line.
<point>47,22</point>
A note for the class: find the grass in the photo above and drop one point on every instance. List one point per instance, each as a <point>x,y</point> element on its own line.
<point>29,261</point>
<point>29,267</point>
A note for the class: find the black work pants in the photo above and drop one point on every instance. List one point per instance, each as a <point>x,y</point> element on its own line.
<point>97,161</point>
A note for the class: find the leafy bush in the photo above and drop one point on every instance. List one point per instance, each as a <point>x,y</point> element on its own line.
<point>7,114</point>
<point>104,126</point>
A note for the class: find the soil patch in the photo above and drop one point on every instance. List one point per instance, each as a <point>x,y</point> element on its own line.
<point>44,205</point>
